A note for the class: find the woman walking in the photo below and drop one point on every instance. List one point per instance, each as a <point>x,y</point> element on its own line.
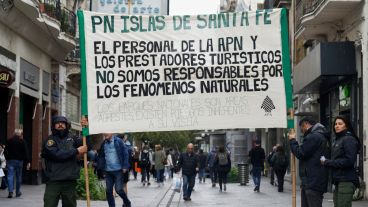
<point>280,163</point>
<point>223,163</point>
<point>159,158</point>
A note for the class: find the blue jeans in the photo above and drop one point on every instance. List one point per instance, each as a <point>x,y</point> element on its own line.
<point>160,175</point>
<point>256,174</point>
<point>14,172</point>
<point>188,184</point>
<point>145,173</point>
<point>201,173</point>
<point>115,178</point>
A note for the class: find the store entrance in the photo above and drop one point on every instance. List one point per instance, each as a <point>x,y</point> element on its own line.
<point>26,111</point>
<point>4,104</point>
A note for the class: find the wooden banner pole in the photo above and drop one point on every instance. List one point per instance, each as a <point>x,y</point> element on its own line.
<point>293,166</point>
<point>86,174</point>
<point>293,177</point>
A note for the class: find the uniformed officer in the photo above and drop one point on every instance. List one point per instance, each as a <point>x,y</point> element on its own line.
<point>60,152</point>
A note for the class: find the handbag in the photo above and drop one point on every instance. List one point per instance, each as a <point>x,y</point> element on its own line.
<point>164,161</point>
<point>2,174</point>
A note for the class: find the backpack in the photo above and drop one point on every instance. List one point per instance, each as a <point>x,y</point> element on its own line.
<point>222,157</point>
<point>174,159</point>
<point>281,161</point>
<point>144,159</point>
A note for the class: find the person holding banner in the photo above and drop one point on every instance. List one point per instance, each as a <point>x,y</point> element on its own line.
<point>114,160</point>
<point>343,162</point>
<point>313,175</point>
<point>60,152</point>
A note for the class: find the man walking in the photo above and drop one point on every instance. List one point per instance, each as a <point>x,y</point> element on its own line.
<point>60,152</point>
<point>202,166</point>
<point>257,157</point>
<point>16,152</point>
<point>114,160</point>
<point>189,163</point>
<point>313,175</point>
<point>272,172</point>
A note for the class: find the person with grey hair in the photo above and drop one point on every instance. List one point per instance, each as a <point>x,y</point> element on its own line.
<point>313,175</point>
<point>114,160</point>
<point>16,152</point>
<point>189,163</point>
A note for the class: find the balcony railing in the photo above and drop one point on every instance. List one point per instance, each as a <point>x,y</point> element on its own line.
<point>281,3</point>
<point>304,7</point>
<point>311,6</point>
<point>52,8</point>
<point>66,17</point>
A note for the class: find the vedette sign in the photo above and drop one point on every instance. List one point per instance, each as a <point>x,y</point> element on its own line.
<point>6,78</point>
<point>165,73</point>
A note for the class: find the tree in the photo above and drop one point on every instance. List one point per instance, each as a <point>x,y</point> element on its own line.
<point>171,139</point>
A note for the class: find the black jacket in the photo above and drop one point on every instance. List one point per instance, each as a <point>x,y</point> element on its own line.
<point>344,155</point>
<point>188,163</point>
<point>202,161</point>
<point>313,174</point>
<point>257,157</point>
<point>16,149</point>
<point>60,157</point>
<point>276,158</point>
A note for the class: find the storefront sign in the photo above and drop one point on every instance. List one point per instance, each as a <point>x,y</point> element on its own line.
<point>137,7</point>
<point>29,75</point>
<point>6,77</point>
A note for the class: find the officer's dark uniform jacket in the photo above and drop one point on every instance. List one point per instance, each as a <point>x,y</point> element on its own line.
<point>60,155</point>
<point>343,158</point>
<point>313,174</point>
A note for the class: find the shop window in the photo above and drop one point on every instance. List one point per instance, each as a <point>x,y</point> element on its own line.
<point>72,107</point>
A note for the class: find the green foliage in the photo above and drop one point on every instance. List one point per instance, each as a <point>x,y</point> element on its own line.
<point>167,139</point>
<point>233,175</point>
<point>96,189</point>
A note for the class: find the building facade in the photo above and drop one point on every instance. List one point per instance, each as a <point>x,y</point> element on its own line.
<point>330,64</point>
<point>35,38</point>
